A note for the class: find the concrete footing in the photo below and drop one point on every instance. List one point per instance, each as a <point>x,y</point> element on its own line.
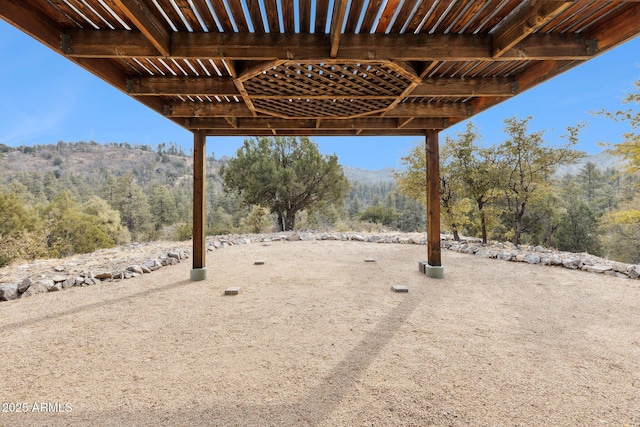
<point>198,274</point>
<point>432,271</point>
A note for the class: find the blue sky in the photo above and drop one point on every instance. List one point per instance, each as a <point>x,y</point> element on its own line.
<point>69,104</point>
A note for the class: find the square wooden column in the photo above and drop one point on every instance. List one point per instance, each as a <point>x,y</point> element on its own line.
<point>199,270</point>
<point>433,268</point>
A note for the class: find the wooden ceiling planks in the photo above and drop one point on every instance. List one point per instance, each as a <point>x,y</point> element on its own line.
<point>252,67</point>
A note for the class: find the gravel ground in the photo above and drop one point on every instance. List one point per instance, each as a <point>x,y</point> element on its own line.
<point>317,338</point>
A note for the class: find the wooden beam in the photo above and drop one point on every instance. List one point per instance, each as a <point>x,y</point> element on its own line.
<point>430,109</point>
<point>337,21</point>
<point>612,31</point>
<point>523,21</point>
<point>264,123</point>
<point>312,47</point>
<point>25,15</point>
<point>461,87</point>
<point>146,21</point>
<point>230,109</point>
<point>432,152</point>
<point>168,86</point>
<point>86,43</point>
<point>199,200</point>
<point>310,132</point>
<point>206,109</point>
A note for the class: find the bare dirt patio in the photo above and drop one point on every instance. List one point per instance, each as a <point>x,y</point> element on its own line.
<point>317,338</point>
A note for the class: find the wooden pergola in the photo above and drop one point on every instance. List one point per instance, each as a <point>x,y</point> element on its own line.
<point>324,67</point>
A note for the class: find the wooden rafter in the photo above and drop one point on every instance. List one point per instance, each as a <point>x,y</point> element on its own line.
<point>528,17</point>
<point>144,19</point>
<point>337,20</point>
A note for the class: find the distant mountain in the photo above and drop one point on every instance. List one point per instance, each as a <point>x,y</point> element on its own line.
<point>602,160</point>
<point>365,176</point>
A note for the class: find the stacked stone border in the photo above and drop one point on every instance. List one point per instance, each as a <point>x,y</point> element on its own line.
<point>536,255</point>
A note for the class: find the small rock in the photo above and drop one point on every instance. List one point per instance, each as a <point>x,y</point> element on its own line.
<point>174,255</point>
<point>58,279</point>
<point>572,263</point>
<point>9,292</point>
<point>54,286</point>
<point>633,271</point>
<point>232,291</point>
<point>68,283</point>
<point>598,268</point>
<point>59,268</point>
<point>358,238</point>
<point>293,237</point>
<point>103,275</point>
<point>137,268</point>
<point>532,259</point>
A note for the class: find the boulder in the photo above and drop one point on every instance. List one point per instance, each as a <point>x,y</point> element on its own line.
<point>138,269</point>
<point>104,275</point>
<point>9,292</point>
<point>532,259</point>
<point>24,285</point>
<point>68,283</point>
<point>38,287</point>
<point>293,237</point>
<point>598,268</point>
<point>58,278</point>
<point>633,271</point>
<point>572,263</point>
<point>54,286</point>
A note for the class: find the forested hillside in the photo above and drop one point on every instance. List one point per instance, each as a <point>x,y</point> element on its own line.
<point>73,197</point>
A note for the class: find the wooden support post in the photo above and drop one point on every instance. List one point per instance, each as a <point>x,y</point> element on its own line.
<point>433,268</point>
<point>199,271</point>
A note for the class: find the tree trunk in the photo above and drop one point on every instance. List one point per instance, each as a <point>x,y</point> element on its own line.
<point>289,221</point>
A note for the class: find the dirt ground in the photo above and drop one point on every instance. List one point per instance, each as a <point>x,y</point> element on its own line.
<point>317,338</point>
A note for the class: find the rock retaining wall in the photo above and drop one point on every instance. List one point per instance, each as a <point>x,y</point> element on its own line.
<point>56,280</point>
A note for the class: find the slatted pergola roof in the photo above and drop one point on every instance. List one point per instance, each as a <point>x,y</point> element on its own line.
<point>324,67</point>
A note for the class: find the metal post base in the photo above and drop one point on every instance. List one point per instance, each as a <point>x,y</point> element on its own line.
<point>198,274</point>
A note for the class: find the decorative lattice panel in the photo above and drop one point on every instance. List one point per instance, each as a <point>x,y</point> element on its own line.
<point>320,107</point>
<point>294,89</point>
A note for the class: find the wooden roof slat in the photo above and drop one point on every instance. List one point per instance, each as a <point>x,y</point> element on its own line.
<point>221,13</point>
<point>271,7</point>
<point>238,15</point>
<point>205,14</point>
<point>322,8</point>
<point>305,16</point>
<point>353,16</point>
<point>288,16</point>
<point>387,15</point>
<point>190,15</point>
<point>255,14</point>
<point>370,15</point>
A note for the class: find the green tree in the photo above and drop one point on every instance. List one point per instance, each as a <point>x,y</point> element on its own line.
<point>162,205</point>
<point>108,217</point>
<point>525,166</point>
<point>578,229</point>
<point>412,182</point>
<point>384,215</point>
<point>285,175</point>
<point>629,149</point>
<point>133,205</point>
<point>73,231</point>
<point>475,167</point>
